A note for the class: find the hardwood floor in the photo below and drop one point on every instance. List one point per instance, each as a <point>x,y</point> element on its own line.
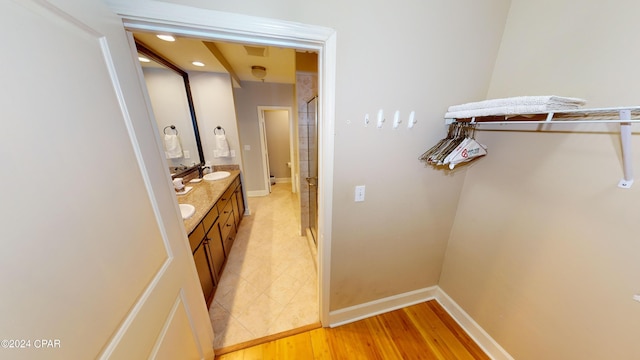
<point>422,331</point>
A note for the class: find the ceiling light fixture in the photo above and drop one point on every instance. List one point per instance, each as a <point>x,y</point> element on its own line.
<point>259,72</point>
<point>198,63</point>
<point>166,37</point>
<point>143,59</point>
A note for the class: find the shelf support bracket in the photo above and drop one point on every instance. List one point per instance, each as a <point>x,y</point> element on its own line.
<point>625,137</point>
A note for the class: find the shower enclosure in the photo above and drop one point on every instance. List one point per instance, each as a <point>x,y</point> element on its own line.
<point>312,178</point>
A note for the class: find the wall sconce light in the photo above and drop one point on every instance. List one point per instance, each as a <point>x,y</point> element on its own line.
<point>259,72</point>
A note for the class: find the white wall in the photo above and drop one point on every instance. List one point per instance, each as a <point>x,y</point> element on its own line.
<point>544,250</point>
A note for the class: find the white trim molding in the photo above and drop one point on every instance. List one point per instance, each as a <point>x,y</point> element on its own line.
<point>381,306</point>
<point>257,193</point>
<point>475,331</point>
<point>156,15</point>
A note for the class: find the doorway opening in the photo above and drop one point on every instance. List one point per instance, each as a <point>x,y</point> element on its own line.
<point>277,140</point>
<point>213,25</point>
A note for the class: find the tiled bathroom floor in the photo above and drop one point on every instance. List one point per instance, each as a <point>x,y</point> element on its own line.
<point>269,283</point>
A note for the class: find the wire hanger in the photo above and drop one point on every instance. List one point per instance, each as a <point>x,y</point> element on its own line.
<point>218,128</point>
<point>458,147</point>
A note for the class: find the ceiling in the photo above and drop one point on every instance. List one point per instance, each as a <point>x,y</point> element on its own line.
<point>223,57</point>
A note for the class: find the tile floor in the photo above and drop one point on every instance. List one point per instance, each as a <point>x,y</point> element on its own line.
<point>269,283</point>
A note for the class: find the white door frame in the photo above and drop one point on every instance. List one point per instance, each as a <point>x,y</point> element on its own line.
<point>152,15</point>
<point>265,148</point>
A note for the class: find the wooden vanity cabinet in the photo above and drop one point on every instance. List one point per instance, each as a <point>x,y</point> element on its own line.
<point>228,207</point>
<point>212,238</point>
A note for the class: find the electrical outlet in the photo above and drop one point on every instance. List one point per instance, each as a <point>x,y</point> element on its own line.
<point>186,154</point>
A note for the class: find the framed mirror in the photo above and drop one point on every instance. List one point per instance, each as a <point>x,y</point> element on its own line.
<point>172,103</point>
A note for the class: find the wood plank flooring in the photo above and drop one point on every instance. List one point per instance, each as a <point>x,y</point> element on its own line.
<point>422,331</point>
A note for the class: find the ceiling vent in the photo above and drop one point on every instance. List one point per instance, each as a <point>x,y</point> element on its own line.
<point>256,50</point>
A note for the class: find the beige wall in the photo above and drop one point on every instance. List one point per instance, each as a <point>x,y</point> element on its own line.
<point>247,99</point>
<point>413,55</point>
<point>544,250</point>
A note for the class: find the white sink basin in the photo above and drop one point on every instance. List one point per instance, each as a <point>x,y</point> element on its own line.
<point>187,210</point>
<point>218,175</point>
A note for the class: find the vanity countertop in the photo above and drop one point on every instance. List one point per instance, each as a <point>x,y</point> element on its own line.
<point>203,196</point>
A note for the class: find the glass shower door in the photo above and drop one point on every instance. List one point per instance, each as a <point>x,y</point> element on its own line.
<point>312,179</point>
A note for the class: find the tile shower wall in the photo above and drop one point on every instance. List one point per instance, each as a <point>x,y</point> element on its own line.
<point>306,88</point>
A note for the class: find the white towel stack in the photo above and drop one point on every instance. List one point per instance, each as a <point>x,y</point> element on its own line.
<point>514,106</point>
<point>172,147</point>
<point>222,146</point>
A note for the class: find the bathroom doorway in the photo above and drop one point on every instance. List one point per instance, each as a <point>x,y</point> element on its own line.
<point>188,21</point>
<point>277,138</point>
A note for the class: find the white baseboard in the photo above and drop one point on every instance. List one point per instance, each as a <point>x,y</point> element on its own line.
<point>283,180</point>
<point>477,333</point>
<point>256,193</point>
<point>372,308</point>
<point>376,307</point>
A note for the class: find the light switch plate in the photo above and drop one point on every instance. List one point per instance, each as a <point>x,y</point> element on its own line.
<point>359,196</point>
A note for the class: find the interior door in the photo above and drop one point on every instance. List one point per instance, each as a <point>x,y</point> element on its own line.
<point>95,261</point>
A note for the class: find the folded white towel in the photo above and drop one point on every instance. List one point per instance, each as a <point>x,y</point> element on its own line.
<point>548,100</point>
<point>222,146</point>
<point>514,106</point>
<point>173,149</point>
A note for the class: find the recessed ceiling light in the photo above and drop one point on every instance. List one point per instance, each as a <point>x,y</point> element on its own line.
<point>198,63</point>
<point>143,59</point>
<point>166,37</point>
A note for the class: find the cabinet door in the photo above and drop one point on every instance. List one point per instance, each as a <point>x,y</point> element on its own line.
<point>216,252</point>
<point>234,203</point>
<point>204,273</point>
<point>240,203</point>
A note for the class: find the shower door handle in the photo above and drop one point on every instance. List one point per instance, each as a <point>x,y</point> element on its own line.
<point>312,181</point>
